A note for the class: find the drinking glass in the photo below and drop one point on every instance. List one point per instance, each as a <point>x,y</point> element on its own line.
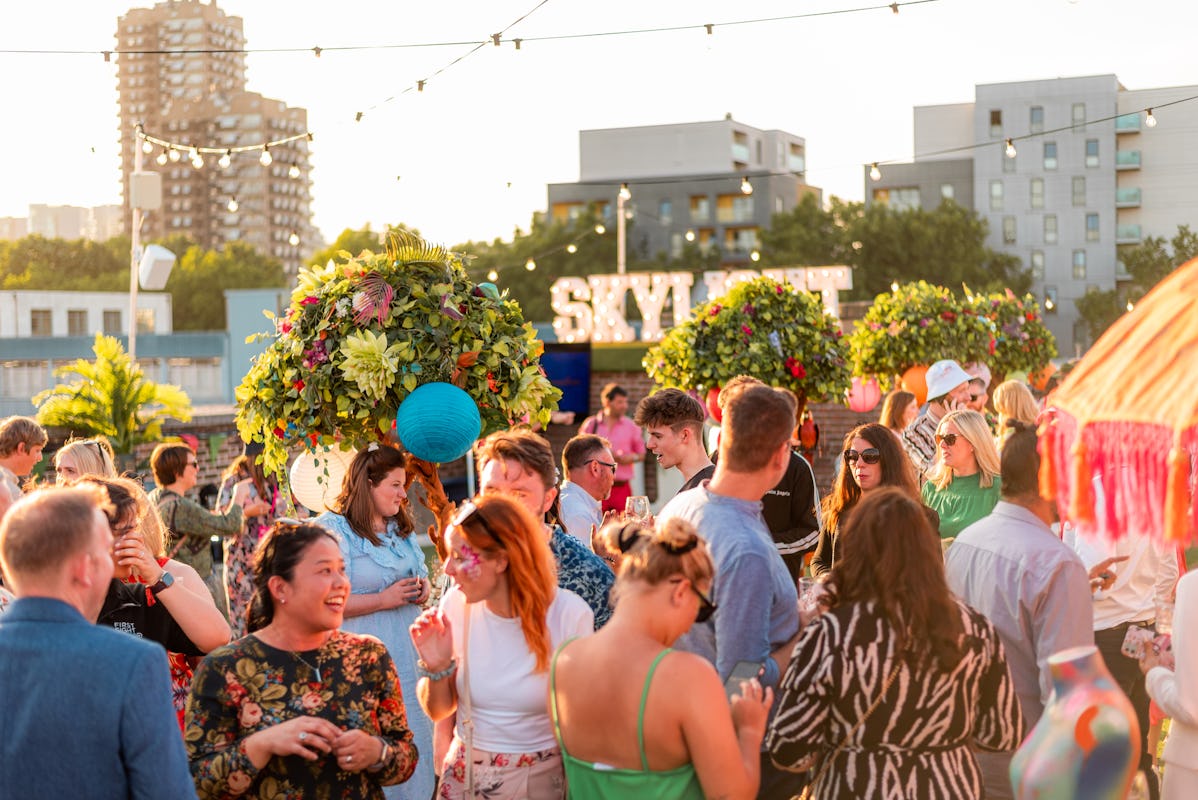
<point>1164,618</point>
<point>807,596</point>
<point>637,507</point>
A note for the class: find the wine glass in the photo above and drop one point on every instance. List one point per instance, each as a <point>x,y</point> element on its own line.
<point>637,507</point>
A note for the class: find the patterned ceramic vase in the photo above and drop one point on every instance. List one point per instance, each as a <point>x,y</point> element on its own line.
<point>1087,744</point>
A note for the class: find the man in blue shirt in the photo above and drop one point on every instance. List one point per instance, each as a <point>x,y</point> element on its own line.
<point>87,709</point>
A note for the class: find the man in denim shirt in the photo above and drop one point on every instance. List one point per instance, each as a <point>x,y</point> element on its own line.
<point>758,618</point>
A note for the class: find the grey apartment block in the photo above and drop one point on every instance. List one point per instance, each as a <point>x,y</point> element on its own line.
<point>686,184</point>
<point>1077,189</point>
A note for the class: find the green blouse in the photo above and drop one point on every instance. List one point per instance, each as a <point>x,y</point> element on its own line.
<point>961,503</point>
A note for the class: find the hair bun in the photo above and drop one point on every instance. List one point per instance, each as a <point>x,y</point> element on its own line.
<point>1019,426</point>
<point>676,536</point>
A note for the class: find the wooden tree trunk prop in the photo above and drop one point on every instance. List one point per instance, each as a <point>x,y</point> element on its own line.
<point>435,500</point>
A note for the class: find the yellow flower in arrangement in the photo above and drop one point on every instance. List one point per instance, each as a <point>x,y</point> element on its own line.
<point>370,362</point>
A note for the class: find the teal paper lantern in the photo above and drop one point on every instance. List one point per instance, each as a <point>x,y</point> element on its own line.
<point>438,422</point>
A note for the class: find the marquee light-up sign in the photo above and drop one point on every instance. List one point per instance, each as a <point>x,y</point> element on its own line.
<point>593,308</point>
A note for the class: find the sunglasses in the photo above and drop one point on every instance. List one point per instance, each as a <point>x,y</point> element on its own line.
<point>949,439</point>
<point>706,607</point>
<point>469,511</point>
<point>870,456</point>
<point>612,467</point>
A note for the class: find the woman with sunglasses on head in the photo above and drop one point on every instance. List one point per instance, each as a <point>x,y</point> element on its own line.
<point>873,458</point>
<point>389,580</point>
<point>891,690</point>
<point>79,457</point>
<point>298,708</point>
<point>637,719</point>
<point>485,654</point>
<point>965,483</point>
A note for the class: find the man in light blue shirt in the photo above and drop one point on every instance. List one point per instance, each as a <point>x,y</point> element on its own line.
<point>590,472</point>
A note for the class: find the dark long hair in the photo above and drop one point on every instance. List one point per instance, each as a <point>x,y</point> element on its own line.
<point>280,550</point>
<point>896,471</point>
<point>891,557</point>
<point>368,469</point>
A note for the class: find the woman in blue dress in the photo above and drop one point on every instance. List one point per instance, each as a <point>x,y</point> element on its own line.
<point>389,583</point>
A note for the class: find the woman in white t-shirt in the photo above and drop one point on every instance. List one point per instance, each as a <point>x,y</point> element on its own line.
<point>485,654</point>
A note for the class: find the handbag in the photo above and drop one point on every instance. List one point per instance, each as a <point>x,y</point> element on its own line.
<point>809,789</point>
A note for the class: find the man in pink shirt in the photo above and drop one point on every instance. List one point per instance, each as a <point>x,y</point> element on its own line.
<point>627,446</point>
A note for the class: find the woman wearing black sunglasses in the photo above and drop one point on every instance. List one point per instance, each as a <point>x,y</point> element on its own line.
<point>965,483</point>
<point>872,458</point>
<point>635,718</point>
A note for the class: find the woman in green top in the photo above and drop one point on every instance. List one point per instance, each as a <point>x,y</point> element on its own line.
<point>636,719</point>
<point>964,485</point>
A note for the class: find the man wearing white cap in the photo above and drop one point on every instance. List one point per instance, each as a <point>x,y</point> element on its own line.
<point>948,390</point>
<point>979,386</point>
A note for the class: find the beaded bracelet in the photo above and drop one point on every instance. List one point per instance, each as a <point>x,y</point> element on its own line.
<point>424,672</point>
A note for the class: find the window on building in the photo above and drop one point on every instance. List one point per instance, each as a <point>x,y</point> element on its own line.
<point>899,198</point>
<point>700,208</point>
<point>1091,152</point>
<point>1008,230</point>
<point>996,122</point>
<point>1092,227</point>
<point>734,208</point>
<point>1079,115</point>
<point>41,322</point>
<point>1037,187</point>
<point>1079,191</point>
<point>665,212</point>
<point>145,320</point>
<point>1050,229</point>
<point>112,322</point>
<point>77,322</point>
<point>1050,300</point>
<point>1036,119</point>
<point>1050,155</point>
<point>996,196</point>
<point>947,192</point>
<point>1079,265</point>
<point>1038,265</point>
<point>24,379</point>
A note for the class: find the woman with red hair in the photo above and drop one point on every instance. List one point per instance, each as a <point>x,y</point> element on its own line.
<point>485,654</point>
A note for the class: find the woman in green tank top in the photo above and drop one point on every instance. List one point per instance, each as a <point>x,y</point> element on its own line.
<point>634,718</point>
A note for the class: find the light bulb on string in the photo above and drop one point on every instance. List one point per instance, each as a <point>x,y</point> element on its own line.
<point>1048,304</point>
<point>225,160</point>
<point>745,186</point>
<point>233,205</point>
<point>755,256</point>
<point>690,235</point>
<point>600,229</point>
<point>173,154</point>
<point>571,248</point>
<point>147,146</point>
<point>161,159</point>
<point>1011,151</point>
<point>1149,122</point>
<point>1130,306</point>
<point>266,158</point>
<point>492,275</point>
<point>293,171</point>
<point>894,286</point>
<point>875,174</point>
<point>293,239</point>
<point>625,193</point>
<point>197,160</point>
<point>530,265</point>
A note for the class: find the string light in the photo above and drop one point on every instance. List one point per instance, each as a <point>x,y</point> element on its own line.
<point>147,148</point>
<point>233,205</point>
<point>1011,152</point>
<point>755,256</point>
<point>600,229</point>
<point>690,234</point>
<point>492,275</point>
<point>530,265</point>
<point>1130,306</point>
<point>571,248</point>
<point>625,193</point>
<point>197,160</point>
<point>225,160</point>
<point>1149,121</point>
<point>173,155</point>
<point>266,158</point>
<point>875,174</point>
<point>161,159</point>
<point>894,286</point>
<point>1049,305</point>
<point>293,239</point>
<point>745,186</point>
<point>293,171</point>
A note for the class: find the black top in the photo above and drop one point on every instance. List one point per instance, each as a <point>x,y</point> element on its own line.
<point>790,514</point>
<point>130,607</point>
<point>697,478</point>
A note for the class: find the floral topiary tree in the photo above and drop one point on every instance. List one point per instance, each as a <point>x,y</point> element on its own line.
<point>917,324</point>
<point>1020,339</point>
<point>762,328</point>
<point>363,334</point>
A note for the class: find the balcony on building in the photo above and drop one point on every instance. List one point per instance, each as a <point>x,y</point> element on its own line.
<point>1128,123</point>
<point>1128,197</point>
<point>1127,159</point>
<point>1128,234</point>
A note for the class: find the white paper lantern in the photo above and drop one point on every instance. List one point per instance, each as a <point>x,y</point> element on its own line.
<point>316,477</point>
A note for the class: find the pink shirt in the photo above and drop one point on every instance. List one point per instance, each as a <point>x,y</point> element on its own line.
<point>625,437</point>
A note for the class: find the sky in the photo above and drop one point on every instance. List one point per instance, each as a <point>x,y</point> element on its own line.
<point>471,156</point>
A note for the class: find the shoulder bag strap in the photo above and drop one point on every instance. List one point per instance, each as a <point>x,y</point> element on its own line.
<point>179,540</point>
<point>466,718</point>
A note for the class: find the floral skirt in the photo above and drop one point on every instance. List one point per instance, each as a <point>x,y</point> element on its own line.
<point>503,776</point>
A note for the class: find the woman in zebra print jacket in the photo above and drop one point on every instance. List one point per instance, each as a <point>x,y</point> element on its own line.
<point>898,682</point>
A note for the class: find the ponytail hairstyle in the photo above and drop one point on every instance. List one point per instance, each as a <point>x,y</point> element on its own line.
<point>495,524</point>
<point>654,555</point>
<point>280,550</point>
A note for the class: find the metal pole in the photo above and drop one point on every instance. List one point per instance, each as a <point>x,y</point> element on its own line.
<point>134,253</point>
<point>620,255</point>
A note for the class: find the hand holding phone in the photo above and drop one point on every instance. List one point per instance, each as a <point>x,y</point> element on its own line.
<point>1135,641</point>
<point>743,671</point>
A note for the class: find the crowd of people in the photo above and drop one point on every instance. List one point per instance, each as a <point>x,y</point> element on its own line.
<point>566,648</point>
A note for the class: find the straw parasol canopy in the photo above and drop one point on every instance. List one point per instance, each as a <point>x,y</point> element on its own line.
<point>1120,439</point>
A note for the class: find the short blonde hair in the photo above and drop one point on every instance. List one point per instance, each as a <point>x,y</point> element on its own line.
<point>653,555</point>
<point>975,430</point>
<point>1013,400</point>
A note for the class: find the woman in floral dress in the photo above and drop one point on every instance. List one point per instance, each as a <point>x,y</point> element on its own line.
<point>263,493</point>
<point>386,567</point>
<point>298,709</point>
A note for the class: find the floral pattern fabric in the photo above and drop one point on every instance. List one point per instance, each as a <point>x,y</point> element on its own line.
<point>503,776</point>
<point>239,557</point>
<point>249,686</point>
<point>584,573</point>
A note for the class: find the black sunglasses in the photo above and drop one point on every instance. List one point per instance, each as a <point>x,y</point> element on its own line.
<point>706,607</point>
<point>469,511</point>
<point>870,456</point>
<point>612,467</point>
<point>949,439</point>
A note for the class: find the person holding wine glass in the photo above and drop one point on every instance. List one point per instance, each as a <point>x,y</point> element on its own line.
<point>590,470</point>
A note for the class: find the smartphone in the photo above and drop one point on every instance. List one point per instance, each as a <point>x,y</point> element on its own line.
<point>743,671</point>
<point>1135,641</point>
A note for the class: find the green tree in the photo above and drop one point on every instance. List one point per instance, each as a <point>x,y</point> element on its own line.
<point>111,397</point>
<point>198,281</point>
<point>35,262</point>
<point>808,235</point>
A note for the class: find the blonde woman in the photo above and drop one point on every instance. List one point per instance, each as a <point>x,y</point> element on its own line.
<point>79,457</point>
<point>964,485</point>
<point>1013,400</point>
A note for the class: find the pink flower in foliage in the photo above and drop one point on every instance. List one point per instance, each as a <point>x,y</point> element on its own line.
<point>716,309</point>
<point>795,368</point>
<point>309,300</point>
<point>748,331</point>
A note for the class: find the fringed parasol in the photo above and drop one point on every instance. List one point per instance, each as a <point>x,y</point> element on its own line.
<point>1127,416</point>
